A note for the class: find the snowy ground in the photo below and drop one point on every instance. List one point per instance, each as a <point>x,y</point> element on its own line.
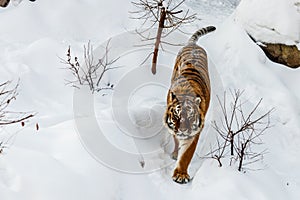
<point>53,163</point>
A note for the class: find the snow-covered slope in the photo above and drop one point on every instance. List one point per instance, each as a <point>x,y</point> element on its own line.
<point>52,163</point>
<point>271,21</point>
<point>220,9</point>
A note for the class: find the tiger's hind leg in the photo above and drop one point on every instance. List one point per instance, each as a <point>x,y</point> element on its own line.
<point>175,151</point>
<point>186,151</point>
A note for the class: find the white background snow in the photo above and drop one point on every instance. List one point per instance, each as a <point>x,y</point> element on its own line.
<point>53,164</point>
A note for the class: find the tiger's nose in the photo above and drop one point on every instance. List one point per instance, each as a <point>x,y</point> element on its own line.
<point>183,129</point>
<point>183,126</point>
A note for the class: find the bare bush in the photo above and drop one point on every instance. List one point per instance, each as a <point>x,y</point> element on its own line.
<point>8,94</point>
<point>163,14</point>
<point>91,72</point>
<point>239,130</point>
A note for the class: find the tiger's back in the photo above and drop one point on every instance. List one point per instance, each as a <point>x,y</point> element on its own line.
<point>190,74</point>
<point>187,103</point>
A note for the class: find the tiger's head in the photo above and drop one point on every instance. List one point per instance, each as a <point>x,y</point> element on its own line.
<point>183,116</point>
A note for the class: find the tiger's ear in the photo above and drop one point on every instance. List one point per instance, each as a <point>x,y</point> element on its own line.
<point>198,100</point>
<point>171,96</point>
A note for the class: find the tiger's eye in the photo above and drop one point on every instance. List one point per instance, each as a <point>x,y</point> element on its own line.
<point>171,125</point>
<point>194,127</point>
<point>188,108</point>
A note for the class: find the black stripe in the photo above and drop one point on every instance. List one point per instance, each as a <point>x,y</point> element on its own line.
<point>190,70</point>
<point>200,78</point>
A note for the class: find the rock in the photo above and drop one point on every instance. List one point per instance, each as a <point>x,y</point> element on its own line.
<point>4,3</point>
<point>283,54</point>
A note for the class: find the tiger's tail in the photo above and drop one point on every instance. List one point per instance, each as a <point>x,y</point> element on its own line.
<point>200,33</point>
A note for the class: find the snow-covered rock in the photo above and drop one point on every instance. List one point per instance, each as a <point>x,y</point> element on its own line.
<point>277,28</point>
<point>271,21</point>
<point>283,54</point>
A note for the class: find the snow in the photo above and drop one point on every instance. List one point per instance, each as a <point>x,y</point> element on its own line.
<point>56,162</point>
<point>220,9</point>
<point>277,24</point>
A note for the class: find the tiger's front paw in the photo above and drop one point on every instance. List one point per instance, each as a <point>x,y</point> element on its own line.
<point>180,177</point>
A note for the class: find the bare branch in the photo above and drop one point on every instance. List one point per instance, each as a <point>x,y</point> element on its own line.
<point>164,16</point>
<point>92,71</point>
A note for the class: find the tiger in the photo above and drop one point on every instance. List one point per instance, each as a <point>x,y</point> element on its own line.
<point>4,3</point>
<point>188,100</point>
